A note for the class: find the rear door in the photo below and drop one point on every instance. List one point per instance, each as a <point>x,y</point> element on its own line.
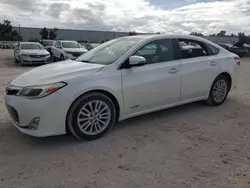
<point>199,66</point>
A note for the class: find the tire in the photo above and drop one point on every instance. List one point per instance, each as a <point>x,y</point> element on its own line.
<point>20,62</point>
<point>62,57</point>
<point>53,59</point>
<point>16,61</point>
<point>91,127</point>
<point>222,86</point>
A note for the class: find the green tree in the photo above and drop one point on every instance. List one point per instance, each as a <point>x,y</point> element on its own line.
<point>196,34</point>
<point>53,33</point>
<point>44,33</point>
<point>222,33</point>
<point>132,33</point>
<point>6,32</point>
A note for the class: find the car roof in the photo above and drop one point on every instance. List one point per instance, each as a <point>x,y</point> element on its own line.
<point>30,43</point>
<point>67,40</point>
<point>165,36</point>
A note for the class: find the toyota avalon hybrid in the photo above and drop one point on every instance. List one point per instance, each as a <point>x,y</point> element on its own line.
<point>120,79</point>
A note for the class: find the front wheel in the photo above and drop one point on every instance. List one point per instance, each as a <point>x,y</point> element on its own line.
<point>62,57</point>
<point>91,116</point>
<point>219,91</point>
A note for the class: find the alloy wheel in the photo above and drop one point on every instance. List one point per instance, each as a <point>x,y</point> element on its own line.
<point>220,90</point>
<point>94,117</point>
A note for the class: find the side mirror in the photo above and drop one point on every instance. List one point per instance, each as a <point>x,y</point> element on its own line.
<point>135,61</point>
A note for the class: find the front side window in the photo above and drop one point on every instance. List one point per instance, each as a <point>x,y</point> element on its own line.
<point>30,46</point>
<point>157,51</point>
<point>192,48</point>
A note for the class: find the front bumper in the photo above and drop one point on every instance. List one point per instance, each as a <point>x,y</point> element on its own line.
<point>51,110</point>
<point>35,60</point>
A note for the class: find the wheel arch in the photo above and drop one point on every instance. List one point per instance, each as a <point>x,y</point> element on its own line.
<point>102,91</point>
<point>229,77</point>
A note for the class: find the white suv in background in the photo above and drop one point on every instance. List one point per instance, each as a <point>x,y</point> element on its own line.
<point>66,50</point>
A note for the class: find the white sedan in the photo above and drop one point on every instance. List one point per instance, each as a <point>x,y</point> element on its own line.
<point>31,53</point>
<point>120,79</point>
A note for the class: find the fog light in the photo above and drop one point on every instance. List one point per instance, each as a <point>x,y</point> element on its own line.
<point>34,123</point>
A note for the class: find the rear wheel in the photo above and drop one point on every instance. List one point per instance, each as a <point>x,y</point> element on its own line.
<point>219,91</point>
<point>91,116</point>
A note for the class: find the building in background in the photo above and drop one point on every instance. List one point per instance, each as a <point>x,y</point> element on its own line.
<point>97,36</point>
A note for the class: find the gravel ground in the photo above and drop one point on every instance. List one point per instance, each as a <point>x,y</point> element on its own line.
<point>188,146</point>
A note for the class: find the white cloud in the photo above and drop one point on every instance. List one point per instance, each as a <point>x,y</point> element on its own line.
<point>126,15</point>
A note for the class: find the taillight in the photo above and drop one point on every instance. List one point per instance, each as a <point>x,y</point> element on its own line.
<point>237,59</point>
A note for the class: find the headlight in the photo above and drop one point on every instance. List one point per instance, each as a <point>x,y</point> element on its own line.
<point>25,55</point>
<point>35,92</point>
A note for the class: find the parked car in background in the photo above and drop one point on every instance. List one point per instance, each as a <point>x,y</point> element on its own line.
<point>122,78</point>
<point>67,50</point>
<point>31,53</point>
<point>48,44</point>
<point>247,46</point>
<point>91,46</point>
<point>239,50</point>
<point>6,45</point>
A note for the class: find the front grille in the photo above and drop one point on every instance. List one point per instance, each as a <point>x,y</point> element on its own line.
<point>37,56</point>
<point>13,113</point>
<point>11,91</point>
<point>77,54</point>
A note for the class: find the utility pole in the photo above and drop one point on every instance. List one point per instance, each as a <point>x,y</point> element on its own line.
<point>19,31</point>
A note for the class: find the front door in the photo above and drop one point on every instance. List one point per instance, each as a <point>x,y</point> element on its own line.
<point>155,84</point>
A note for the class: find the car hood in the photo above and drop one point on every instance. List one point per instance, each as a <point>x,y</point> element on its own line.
<point>56,72</point>
<point>35,52</point>
<point>75,50</point>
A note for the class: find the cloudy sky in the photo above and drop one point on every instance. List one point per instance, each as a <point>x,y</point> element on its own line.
<point>170,16</point>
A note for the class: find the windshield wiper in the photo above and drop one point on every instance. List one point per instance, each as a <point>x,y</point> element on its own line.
<point>85,61</point>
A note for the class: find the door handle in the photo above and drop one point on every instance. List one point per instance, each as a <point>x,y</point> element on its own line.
<point>212,63</point>
<point>173,71</point>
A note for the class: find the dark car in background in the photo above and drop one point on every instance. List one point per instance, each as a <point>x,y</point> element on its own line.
<point>47,44</point>
<point>237,48</point>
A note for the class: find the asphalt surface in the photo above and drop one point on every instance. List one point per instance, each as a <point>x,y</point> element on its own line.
<point>194,146</point>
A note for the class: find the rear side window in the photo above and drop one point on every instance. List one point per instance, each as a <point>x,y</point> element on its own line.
<point>192,49</point>
<point>212,50</point>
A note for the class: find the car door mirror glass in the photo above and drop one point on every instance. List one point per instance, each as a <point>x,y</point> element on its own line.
<point>137,61</point>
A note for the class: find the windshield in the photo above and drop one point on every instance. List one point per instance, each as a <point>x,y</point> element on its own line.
<point>107,53</point>
<point>48,42</point>
<point>70,45</point>
<point>31,47</point>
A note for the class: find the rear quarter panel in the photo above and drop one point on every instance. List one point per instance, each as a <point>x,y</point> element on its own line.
<point>229,65</point>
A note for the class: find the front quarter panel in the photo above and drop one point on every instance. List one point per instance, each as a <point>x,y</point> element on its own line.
<point>108,79</point>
